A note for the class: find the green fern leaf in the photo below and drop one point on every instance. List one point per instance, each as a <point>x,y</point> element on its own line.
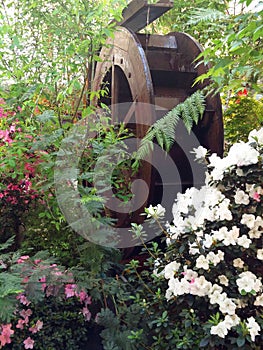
<point>159,137</point>
<point>207,15</point>
<point>163,130</point>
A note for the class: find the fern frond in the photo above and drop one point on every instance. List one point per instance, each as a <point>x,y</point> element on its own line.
<point>145,148</point>
<point>163,130</point>
<point>207,15</point>
<point>159,137</point>
<point>199,103</point>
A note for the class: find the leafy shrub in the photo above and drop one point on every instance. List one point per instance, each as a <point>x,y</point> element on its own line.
<point>205,289</point>
<point>41,305</point>
<point>243,114</point>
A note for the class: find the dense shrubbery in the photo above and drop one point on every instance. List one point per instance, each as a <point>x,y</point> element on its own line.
<point>242,114</point>
<point>205,289</point>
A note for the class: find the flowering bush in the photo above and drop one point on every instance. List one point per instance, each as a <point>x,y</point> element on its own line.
<point>18,165</point>
<point>48,307</point>
<point>205,289</point>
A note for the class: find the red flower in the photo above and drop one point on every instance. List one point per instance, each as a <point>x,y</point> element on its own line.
<point>242,93</point>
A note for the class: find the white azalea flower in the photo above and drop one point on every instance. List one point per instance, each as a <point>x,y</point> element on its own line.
<point>189,274</point>
<point>217,297</point>
<point>232,320</point>
<point>241,197</point>
<point>260,254</point>
<point>259,300</point>
<point>242,154</point>
<point>248,282</point>
<point>221,329</point>
<point>215,288</point>
<point>220,255</point>
<point>221,234</point>
<point>176,287</point>
<point>253,327</point>
<point>227,306</point>
<point>248,220</point>
<point>201,286</point>
<point>208,241</point>
<point>213,258</point>
<point>238,263</point>
<point>193,249</point>
<point>200,152</point>
<point>202,262</point>
<point>156,212</point>
<point>256,136</point>
<point>232,236</point>
<point>255,232</point>
<point>223,280</point>
<point>170,269</point>
<point>224,211</point>
<point>244,241</point>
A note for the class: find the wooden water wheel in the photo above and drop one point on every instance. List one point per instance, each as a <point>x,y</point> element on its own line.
<point>157,71</point>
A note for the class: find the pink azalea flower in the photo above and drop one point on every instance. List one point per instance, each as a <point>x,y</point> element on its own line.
<point>22,259</point>
<point>42,280</point>
<point>23,299</point>
<point>37,261</point>
<point>83,297</point>
<point>256,197</point>
<point>88,300</point>
<point>30,168</point>
<point>36,327</point>
<point>6,334</point>
<point>70,290</point>
<point>12,128</point>
<point>20,324</point>
<point>2,113</point>
<point>4,134</point>
<point>86,313</point>
<point>25,314</point>
<point>28,343</point>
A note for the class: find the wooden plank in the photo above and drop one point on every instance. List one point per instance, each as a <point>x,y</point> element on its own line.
<point>139,13</point>
<point>155,41</point>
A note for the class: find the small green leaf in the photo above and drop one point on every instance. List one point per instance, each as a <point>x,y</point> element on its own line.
<point>240,341</point>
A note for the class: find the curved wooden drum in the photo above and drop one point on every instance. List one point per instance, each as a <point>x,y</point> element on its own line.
<point>158,71</point>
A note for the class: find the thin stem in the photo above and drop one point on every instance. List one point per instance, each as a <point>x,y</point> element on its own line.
<point>140,278</point>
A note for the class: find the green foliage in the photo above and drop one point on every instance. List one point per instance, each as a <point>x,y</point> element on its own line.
<point>53,46</point>
<point>179,18</point>
<point>163,130</point>
<point>242,115</point>
<point>10,283</point>
<point>231,36</point>
<point>158,320</point>
<point>63,326</point>
<point>237,55</point>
